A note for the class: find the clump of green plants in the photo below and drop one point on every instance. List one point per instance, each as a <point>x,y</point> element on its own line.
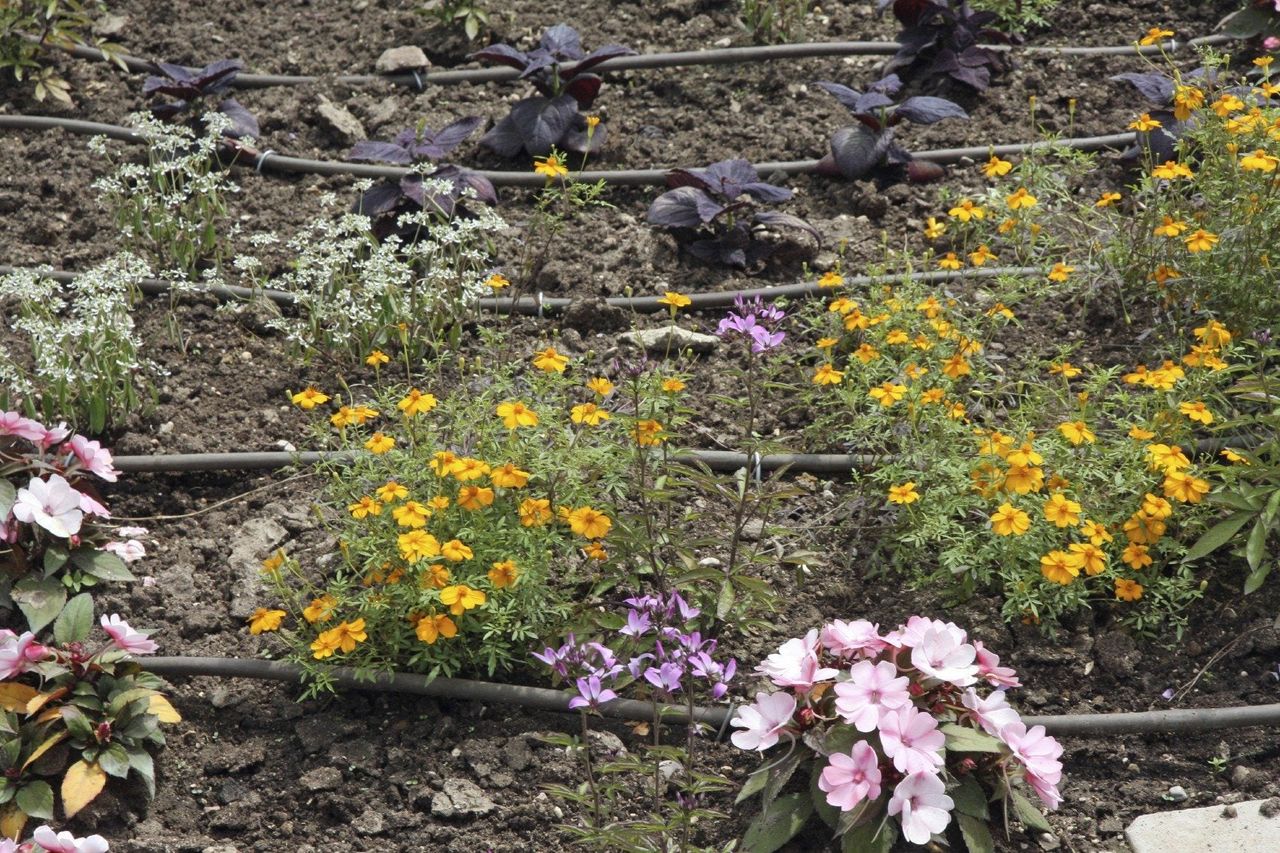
<point>30,29</point>
<point>1019,16</point>
<point>73,350</point>
<point>471,15</point>
<point>773,21</point>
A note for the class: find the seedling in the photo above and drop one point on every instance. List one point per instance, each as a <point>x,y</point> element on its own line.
<point>552,118</point>
<point>867,148</point>
<point>708,211</point>
<point>197,90</point>
<point>944,39</point>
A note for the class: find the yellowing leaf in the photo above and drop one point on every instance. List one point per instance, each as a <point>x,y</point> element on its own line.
<point>14,696</point>
<point>12,821</point>
<point>49,744</point>
<point>163,710</point>
<point>41,699</point>
<point>82,783</point>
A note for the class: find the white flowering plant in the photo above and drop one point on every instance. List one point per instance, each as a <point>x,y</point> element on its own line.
<point>907,732</point>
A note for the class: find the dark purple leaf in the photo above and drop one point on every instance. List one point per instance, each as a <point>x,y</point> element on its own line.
<point>243,122</point>
<point>542,123</point>
<point>595,57</point>
<point>888,85</point>
<point>924,171</point>
<point>379,199</point>
<point>733,178</point>
<point>827,167</point>
<point>216,77</point>
<point>405,138</point>
<point>483,186</point>
<point>502,54</point>
<point>924,109</point>
<point>562,40</point>
<point>369,151</point>
<point>436,145</point>
<point>912,13</point>
<point>178,73</point>
<point>538,61</point>
<point>686,178</point>
<point>774,219</point>
<point>412,189</point>
<point>978,78</point>
<point>584,89</point>
<point>1156,88</point>
<point>168,111</point>
<point>504,138</point>
<point>872,101</point>
<point>843,94</point>
<point>896,155</point>
<point>683,207</point>
<point>579,141</point>
<point>857,150</point>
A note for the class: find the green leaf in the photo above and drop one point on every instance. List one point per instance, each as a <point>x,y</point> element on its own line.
<point>1254,549</point>
<point>8,494</point>
<point>101,564</point>
<point>976,834</point>
<point>724,604</point>
<point>1247,23</point>
<point>775,827</point>
<point>115,760</point>
<point>75,621</point>
<point>1217,536</point>
<point>1256,579</point>
<point>755,784</point>
<point>77,723</point>
<point>970,799</point>
<point>36,799</point>
<point>40,600</point>
<point>142,764</point>
<point>1030,816</point>
<point>964,739</point>
<point>780,776</point>
<point>55,557</point>
<point>876,836</point>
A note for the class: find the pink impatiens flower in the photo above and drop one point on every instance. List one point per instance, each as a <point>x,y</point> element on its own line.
<point>850,779</point>
<point>795,664</point>
<point>871,691</point>
<point>65,842</point>
<point>989,668</point>
<point>912,739</point>
<point>52,504</point>
<point>859,638</point>
<point>12,423</point>
<point>992,713</point>
<point>763,721</point>
<point>943,655</point>
<point>923,806</point>
<point>126,638</point>
<point>17,653</point>
<point>93,456</point>
<point>1040,754</point>
<point>910,635</point>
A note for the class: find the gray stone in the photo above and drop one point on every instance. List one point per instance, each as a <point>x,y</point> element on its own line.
<point>382,113</point>
<point>346,127</point>
<point>403,59</point>
<point>752,530</point>
<point>110,26</point>
<point>252,543</point>
<point>321,779</point>
<point>1177,794</point>
<point>369,822</point>
<point>606,742</point>
<point>1205,830</point>
<point>1111,826</point>
<point>461,798</point>
<point>670,339</point>
<point>516,754</point>
<point>1248,779</point>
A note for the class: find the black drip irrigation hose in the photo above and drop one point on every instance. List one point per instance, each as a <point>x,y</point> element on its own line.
<point>545,699</point>
<point>673,59</point>
<point>615,177</point>
<point>544,305</point>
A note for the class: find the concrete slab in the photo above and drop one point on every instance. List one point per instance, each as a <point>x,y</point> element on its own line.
<point>1209,830</point>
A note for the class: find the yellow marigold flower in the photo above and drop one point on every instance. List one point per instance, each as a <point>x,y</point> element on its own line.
<point>981,255</point>
<point>1213,334</point>
<point>434,626</point>
<point>887,393</point>
<point>930,307</point>
<point>1062,511</point>
<point>438,502</point>
<point>379,443</point>
<point>1143,529</point>
<point>932,396</point>
<point>1008,520</point>
<point>1163,273</point>
<point>416,403</point>
<point>508,476</point>
<point>826,343</point>
<point>1263,61</point>
<point>589,523</point>
<point>1127,590</point>
<point>956,410</point>
<point>595,551</point>
<point>497,281</point>
<point>1025,455</point>
<point>949,261</point>
<point>1065,369</point>
<point>467,469</point>
<point>320,609</point>
<point>1235,458</point>
<point>914,371</point>
<point>1154,35</point>
<point>364,507</point>
<point>272,564</point>
<point>997,444</point>
<point>966,210</point>
<point>475,497</point>
<point>1196,411</point>
<point>1020,199</point>
<point>1167,458</point>
<point>956,366</point>
<point>922,343</point>
<point>1096,533</point>
<point>999,310</point>
<point>1077,432</point>
<point>904,494</point>
<point>1107,199</point>
<point>1156,507</point>
<point>308,398</point>
<point>503,574</point>
<point>436,576</point>
<point>895,337</point>
<point>1060,567</point>
<point>1022,479</point>
<point>442,462</point>
<point>1137,432</point>
<point>1186,99</point>
<point>1136,556</point>
<point>552,166</point>
<point>455,551</point>
<point>1171,170</point>
<point>411,514</point>
<point>600,386</point>
<point>1092,558</point>
<point>865,353</point>
<point>376,358</point>
<point>675,300</point>
<point>842,305</point>
<point>325,645</point>
<point>535,512</point>
<point>1170,227</point>
<point>1060,272</point>
<point>933,229</point>
<point>461,598</point>
<point>391,491</point>
<point>550,361</point>
<point>856,320</point>
<point>1201,240</point>
<point>1227,104</point>
<point>593,121</point>
<point>515,414</point>
<point>828,375</point>
<point>1183,487</point>
<point>342,418</point>
<point>831,278</point>
<point>265,620</point>
<point>647,433</point>
<point>1007,225</point>
<point>417,545</point>
<point>995,167</point>
<point>349,634</point>
<point>672,385</point>
<point>589,414</point>
<point>1057,483</point>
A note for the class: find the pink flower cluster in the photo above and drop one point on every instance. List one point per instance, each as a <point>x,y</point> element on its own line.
<point>55,842</point>
<point>894,691</point>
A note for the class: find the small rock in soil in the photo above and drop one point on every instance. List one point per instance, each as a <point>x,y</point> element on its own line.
<point>594,315</point>
<point>339,120</point>
<point>402,59</point>
<point>1048,842</point>
<point>250,545</point>
<point>1248,779</point>
<point>382,113</point>
<point>110,26</point>
<point>461,798</point>
<point>321,779</point>
<point>752,530</point>
<point>1111,826</point>
<point>1271,808</point>
<point>607,742</point>
<point>370,822</point>
<point>670,339</point>
<point>1177,794</point>
<point>516,754</point>
<point>1230,812</point>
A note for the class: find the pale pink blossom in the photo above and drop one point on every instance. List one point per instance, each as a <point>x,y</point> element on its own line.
<point>943,655</point>
<point>8,845</point>
<point>1039,753</point>
<point>850,779</point>
<point>65,842</point>
<point>12,423</point>
<point>1272,42</point>
<point>126,638</point>
<point>871,691</point>
<point>93,456</point>
<point>912,739</point>
<point>17,653</point>
<point>909,635</point>
<point>52,504</point>
<point>763,721</point>
<point>859,638</point>
<point>131,550</point>
<point>795,664</point>
<point>923,807</point>
<point>989,668</point>
<point>992,713</point>
<point>131,532</point>
<point>90,506</point>
<point>53,435</point>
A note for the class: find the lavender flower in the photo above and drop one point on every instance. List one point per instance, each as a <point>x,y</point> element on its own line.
<point>591,694</point>
<point>755,321</point>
